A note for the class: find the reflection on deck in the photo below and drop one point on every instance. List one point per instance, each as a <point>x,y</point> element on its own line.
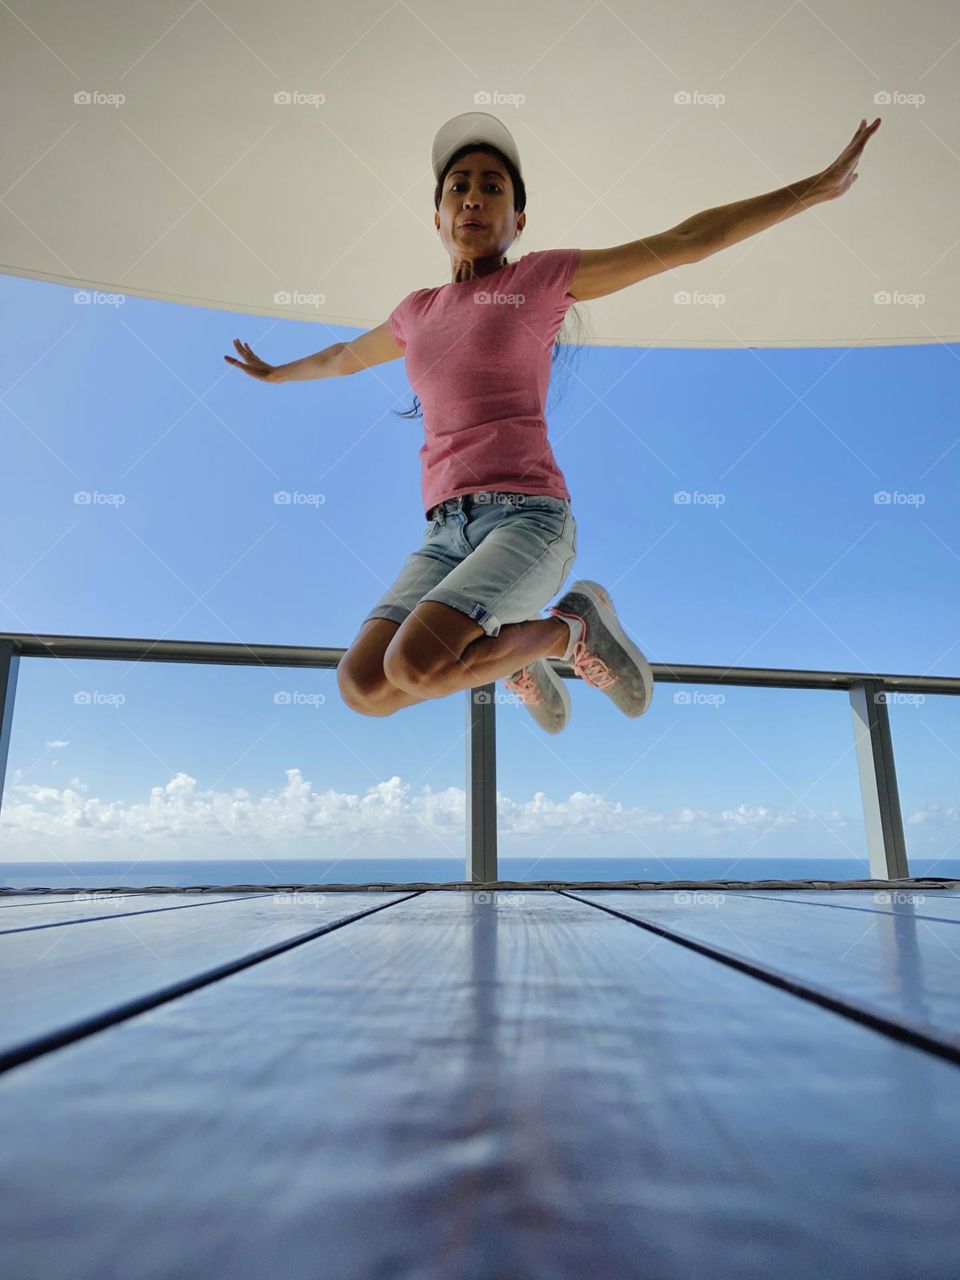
<point>716,1081</point>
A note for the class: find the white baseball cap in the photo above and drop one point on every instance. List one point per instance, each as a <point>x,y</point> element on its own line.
<point>472,126</point>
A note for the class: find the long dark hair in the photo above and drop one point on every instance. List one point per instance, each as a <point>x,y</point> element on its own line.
<point>519,204</point>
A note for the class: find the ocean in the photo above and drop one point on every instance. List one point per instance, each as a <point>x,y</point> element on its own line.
<point>136,874</point>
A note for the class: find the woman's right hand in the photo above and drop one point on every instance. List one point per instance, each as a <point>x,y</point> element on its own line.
<point>252,364</point>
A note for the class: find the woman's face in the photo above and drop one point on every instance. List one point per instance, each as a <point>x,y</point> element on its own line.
<point>477,188</point>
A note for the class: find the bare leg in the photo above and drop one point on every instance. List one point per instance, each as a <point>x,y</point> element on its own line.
<point>360,675</point>
<point>490,658</point>
<point>390,700</point>
<point>517,645</point>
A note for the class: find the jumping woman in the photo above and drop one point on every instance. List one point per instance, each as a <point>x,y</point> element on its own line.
<point>464,610</point>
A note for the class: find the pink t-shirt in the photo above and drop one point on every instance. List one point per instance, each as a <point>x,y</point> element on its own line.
<point>478,354</point>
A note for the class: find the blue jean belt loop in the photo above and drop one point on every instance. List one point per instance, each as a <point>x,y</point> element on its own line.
<point>463,502</point>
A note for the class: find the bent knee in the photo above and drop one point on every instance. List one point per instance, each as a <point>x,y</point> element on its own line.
<point>428,647</point>
<point>368,697</point>
<point>412,675</point>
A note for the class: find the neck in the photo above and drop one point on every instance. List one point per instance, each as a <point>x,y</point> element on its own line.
<point>472,269</point>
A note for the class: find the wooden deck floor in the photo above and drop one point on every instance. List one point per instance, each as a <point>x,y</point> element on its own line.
<point>552,1084</point>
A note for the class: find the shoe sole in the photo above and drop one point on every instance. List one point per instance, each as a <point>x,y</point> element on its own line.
<point>559,685</point>
<point>598,597</point>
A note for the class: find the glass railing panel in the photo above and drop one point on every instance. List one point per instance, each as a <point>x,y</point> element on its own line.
<point>711,782</point>
<point>194,773</point>
<point>926,744</point>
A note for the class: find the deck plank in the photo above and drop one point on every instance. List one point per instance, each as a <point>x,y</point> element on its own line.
<point>904,960</point>
<point>935,903</point>
<point>53,978</point>
<point>8,900</point>
<point>527,1087</point>
<point>30,915</point>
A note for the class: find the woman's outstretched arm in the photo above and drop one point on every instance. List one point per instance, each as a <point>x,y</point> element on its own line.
<point>603,271</point>
<point>376,346</point>
<point>716,229</point>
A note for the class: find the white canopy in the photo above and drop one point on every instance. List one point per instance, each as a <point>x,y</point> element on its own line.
<point>200,185</point>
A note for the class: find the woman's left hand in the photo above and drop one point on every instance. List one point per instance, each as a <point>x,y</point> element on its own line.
<point>841,175</point>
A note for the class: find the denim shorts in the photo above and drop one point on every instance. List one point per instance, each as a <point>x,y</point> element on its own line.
<point>495,555</point>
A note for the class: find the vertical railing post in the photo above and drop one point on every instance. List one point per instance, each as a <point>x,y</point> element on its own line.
<point>481,784</point>
<point>878,781</point>
<point>9,662</point>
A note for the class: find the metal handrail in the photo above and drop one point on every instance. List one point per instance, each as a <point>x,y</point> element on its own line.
<point>867,690</point>
<point>122,649</point>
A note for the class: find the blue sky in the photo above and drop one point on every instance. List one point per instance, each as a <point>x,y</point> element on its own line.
<point>794,564</point>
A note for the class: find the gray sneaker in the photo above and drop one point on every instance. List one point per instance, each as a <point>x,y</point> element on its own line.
<point>605,656</point>
<point>543,693</point>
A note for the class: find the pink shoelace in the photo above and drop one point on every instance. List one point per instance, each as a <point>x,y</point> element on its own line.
<point>591,668</point>
<point>524,686</point>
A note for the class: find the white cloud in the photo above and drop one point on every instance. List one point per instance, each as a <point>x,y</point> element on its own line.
<point>181,819</point>
<point>57,742</point>
<point>934,814</point>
